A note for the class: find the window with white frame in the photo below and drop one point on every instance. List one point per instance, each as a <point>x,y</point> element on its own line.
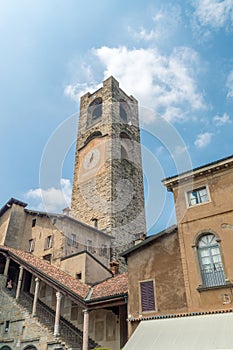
<point>210,261</point>
<point>198,196</point>
<point>49,241</point>
<point>104,250</point>
<point>89,245</point>
<point>31,245</point>
<point>147,295</point>
<point>72,239</point>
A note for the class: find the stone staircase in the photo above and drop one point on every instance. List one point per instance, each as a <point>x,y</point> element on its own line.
<point>69,334</point>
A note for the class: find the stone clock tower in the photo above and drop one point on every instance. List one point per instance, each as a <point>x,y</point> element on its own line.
<point>108,185</point>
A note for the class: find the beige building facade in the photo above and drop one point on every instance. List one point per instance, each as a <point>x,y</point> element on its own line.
<point>187,269</point>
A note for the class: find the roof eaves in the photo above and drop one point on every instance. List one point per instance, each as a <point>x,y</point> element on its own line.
<point>191,173</point>
<point>149,240</point>
<point>9,204</point>
<point>89,254</point>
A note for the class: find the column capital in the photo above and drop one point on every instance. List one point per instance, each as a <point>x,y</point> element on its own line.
<point>37,280</point>
<point>21,267</point>
<point>86,311</point>
<point>59,295</point>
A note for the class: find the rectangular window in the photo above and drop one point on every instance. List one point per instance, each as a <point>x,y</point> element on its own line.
<point>49,241</point>
<point>79,276</point>
<point>198,196</point>
<point>89,246</point>
<point>7,324</point>
<point>147,296</point>
<point>72,239</point>
<point>103,250</point>
<point>33,222</point>
<point>31,245</point>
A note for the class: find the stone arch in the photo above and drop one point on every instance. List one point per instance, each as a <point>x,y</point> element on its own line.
<point>198,236</point>
<point>124,135</point>
<point>30,347</point>
<point>5,347</point>
<point>93,136</point>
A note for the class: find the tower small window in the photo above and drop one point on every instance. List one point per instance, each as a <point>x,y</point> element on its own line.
<point>210,261</point>
<point>95,222</point>
<point>7,325</point>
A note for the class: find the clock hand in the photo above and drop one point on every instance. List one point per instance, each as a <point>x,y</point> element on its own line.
<point>91,158</point>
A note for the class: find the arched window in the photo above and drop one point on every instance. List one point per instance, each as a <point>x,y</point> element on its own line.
<point>30,347</point>
<point>95,110</point>
<point>123,113</point>
<point>210,261</point>
<point>5,347</point>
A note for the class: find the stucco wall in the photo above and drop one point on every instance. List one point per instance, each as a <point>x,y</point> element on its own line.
<point>215,216</point>
<point>160,261</point>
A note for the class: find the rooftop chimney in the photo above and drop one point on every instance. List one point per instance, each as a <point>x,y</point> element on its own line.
<point>114,267</point>
<point>66,211</point>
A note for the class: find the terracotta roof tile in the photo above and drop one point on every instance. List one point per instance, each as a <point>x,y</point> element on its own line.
<point>112,287</point>
<point>51,271</point>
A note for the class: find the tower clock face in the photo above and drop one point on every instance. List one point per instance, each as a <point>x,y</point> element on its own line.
<point>91,159</point>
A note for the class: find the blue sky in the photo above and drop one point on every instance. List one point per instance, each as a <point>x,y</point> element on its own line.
<point>175,57</point>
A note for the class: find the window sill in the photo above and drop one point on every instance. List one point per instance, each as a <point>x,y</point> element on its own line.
<point>203,289</point>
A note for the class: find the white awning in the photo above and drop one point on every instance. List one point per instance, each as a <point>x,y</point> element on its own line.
<point>202,332</point>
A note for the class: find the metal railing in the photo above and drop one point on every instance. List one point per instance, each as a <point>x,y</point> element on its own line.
<point>213,278</point>
<point>68,332</point>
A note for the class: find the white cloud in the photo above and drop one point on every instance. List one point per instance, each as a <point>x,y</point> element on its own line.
<point>165,24</point>
<point>143,34</point>
<point>230,85</point>
<point>51,199</point>
<point>203,140</point>
<point>76,90</point>
<point>220,121</point>
<point>214,13</point>
<point>165,84</point>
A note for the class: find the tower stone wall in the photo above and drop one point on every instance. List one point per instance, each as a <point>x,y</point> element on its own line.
<point>108,184</point>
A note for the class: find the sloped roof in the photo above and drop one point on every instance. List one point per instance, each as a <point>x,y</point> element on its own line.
<point>148,240</point>
<point>112,287</point>
<point>117,285</point>
<point>49,271</point>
